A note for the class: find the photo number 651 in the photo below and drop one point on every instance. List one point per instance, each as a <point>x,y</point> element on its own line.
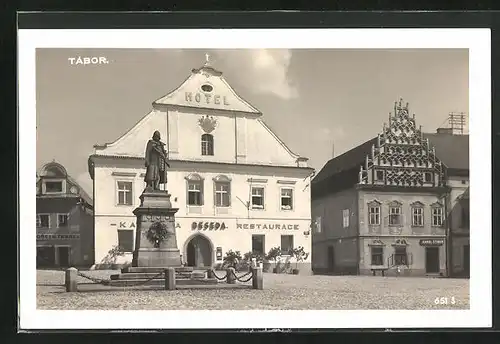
<point>444,300</point>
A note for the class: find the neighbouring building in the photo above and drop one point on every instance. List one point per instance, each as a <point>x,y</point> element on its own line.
<point>64,220</point>
<point>236,184</point>
<point>383,205</point>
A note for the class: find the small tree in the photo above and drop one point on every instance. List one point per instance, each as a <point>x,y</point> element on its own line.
<point>273,255</point>
<point>300,255</point>
<point>231,259</point>
<point>110,259</point>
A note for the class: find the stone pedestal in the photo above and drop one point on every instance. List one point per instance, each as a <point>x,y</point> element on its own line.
<point>155,211</point>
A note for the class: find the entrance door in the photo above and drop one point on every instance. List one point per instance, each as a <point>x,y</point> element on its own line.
<point>432,260</point>
<point>63,256</point>
<point>331,259</point>
<point>199,252</point>
<point>466,261</point>
<point>45,256</point>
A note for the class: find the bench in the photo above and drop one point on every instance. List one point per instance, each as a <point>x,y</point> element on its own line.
<point>382,271</point>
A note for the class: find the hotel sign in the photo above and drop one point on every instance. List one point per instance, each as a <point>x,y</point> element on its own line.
<point>57,236</point>
<point>267,226</point>
<point>205,98</point>
<point>431,242</point>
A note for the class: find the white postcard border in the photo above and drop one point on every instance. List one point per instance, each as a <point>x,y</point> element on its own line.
<point>478,41</point>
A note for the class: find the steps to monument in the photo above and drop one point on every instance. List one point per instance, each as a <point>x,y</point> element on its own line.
<point>139,269</point>
<point>161,282</point>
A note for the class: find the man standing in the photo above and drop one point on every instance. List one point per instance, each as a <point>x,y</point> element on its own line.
<point>156,162</point>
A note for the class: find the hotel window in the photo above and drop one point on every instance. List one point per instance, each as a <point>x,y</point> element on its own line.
<point>194,189</point>
<point>62,220</point>
<point>126,240</point>
<point>379,175</point>
<point>400,256</point>
<point>377,253</point>
<point>207,144</point>
<point>222,191</point>
<point>124,191</point>
<point>437,216</point>
<point>286,244</point>
<point>374,214</point>
<point>395,214</point>
<point>345,218</point>
<point>417,216</point>
<point>317,224</point>
<point>258,244</point>
<point>286,199</point>
<point>257,198</point>
<point>53,187</point>
<point>43,221</point>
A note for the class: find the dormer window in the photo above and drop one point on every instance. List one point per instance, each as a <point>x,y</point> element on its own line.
<point>207,144</point>
<point>379,175</point>
<point>427,177</point>
<point>53,187</point>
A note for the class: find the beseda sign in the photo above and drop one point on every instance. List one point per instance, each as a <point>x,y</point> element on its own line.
<point>208,226</point>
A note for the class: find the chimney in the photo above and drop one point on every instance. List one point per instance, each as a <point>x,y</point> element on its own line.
<point>448,131</point>
<point>333,150</point>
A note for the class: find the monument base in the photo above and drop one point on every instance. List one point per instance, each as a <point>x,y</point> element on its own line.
<point>156,257</point>
<point>156,218</point>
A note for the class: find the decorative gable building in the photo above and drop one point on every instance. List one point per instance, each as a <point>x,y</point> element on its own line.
<point>64,226</point>
<point>381,207</point>
<point>236,184</point>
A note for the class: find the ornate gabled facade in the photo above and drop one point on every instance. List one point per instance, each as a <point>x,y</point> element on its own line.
<point>64,232</point>
<point>383,206</point>
<point>237,185</point>
<point>402,156</point>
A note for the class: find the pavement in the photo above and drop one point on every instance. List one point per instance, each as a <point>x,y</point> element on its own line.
<point>281,292</point>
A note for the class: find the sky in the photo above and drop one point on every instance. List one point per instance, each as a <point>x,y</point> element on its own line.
<point>319,102</point>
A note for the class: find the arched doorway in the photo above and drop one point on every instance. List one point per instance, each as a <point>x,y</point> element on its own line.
<point>199,251</point>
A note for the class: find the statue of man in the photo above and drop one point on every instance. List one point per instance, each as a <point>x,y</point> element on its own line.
<point>156,162</point>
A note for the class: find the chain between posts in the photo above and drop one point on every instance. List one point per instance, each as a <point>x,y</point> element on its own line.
<point>107,282</point>
<point>240,279</point>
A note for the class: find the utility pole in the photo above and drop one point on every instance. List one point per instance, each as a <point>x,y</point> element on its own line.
<point>457,121</point>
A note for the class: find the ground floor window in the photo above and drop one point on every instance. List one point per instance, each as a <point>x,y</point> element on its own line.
<point>400,256</point>
<point>286,243</point>
<point>377,253</point>
<point>45,256</point>
<point>258,244</point>
<point>126,240</point>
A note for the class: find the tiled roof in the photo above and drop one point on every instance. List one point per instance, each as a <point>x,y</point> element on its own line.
<point>452,150</point>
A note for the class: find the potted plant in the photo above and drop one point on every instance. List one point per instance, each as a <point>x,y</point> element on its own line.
<point>231,259</point>
<point>273,255</point>
<point>300,255</point>
<point>247,259</point>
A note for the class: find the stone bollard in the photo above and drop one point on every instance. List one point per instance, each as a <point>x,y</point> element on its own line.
<point>210,273</point>
<point>257,278</point>
<point>230,276</point>
<point>71,282</point>
<point>169,279</point>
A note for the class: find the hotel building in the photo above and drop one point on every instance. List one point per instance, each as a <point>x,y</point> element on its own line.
<point>236,184</point>
<point>385,205</point>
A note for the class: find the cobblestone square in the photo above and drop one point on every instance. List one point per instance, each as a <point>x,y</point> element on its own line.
<point>281,292</point>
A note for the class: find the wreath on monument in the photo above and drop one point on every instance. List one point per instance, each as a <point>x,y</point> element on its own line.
<point>157,233</point>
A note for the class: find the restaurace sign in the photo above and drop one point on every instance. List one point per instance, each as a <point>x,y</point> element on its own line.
<point>266,226</point>
<point>210,226</point>
<point>206,98</point>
